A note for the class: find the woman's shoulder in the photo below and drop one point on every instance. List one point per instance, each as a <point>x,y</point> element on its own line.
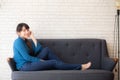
<point>18,40</point>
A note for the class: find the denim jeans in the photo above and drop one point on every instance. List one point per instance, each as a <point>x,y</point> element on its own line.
<point>51,62</point>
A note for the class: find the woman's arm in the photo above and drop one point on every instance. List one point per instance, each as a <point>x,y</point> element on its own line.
<point>19,46</point>
<point>36,46</point>
<point>33,38</point>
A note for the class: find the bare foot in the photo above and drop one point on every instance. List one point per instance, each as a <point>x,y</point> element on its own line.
<point>86,66</point>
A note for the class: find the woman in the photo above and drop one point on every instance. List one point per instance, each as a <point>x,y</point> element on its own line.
<point>31,56</point>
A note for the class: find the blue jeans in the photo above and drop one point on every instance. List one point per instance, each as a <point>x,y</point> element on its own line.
<point>51,62</point>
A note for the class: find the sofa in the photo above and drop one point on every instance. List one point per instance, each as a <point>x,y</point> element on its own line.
<point>72,51</point>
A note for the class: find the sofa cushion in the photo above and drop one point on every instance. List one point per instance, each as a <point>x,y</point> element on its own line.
<point>63,75</point>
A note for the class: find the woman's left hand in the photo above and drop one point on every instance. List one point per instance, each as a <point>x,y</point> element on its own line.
<point>33,38</point>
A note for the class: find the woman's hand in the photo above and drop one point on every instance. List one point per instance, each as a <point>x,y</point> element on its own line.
<point>33,38</point>
<point>31,34</point>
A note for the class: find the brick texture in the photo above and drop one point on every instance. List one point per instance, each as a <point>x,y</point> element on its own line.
<point>55,19</point>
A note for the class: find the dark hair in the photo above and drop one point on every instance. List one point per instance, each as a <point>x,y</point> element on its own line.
<point>21,25</point>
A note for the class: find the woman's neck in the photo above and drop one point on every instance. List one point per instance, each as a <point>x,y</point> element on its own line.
<point>22,38</point>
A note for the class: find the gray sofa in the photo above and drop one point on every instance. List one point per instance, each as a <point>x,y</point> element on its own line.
<point>72,51</point>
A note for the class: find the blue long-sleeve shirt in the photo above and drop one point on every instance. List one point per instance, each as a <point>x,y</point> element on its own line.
<point>21,52</point>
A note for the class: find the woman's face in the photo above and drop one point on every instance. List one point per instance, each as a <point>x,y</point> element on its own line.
<point>24,33</point>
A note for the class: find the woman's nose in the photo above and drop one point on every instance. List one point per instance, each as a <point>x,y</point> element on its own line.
<point>27,32</point>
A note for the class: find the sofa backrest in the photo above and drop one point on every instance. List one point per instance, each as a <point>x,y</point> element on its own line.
<point>78,50</point>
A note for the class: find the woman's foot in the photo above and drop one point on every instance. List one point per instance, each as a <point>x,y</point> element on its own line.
<point>86,66</point>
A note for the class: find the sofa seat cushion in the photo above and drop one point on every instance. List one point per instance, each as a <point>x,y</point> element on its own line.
<point>91,74</point>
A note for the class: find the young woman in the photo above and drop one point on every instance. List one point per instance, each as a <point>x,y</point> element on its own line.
<point>31,56</point>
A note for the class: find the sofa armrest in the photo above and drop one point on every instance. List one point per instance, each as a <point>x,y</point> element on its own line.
<point>12,64</point>
<point>109,63</point>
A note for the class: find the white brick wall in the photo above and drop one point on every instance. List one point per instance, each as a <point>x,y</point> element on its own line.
<point>55,19</point>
